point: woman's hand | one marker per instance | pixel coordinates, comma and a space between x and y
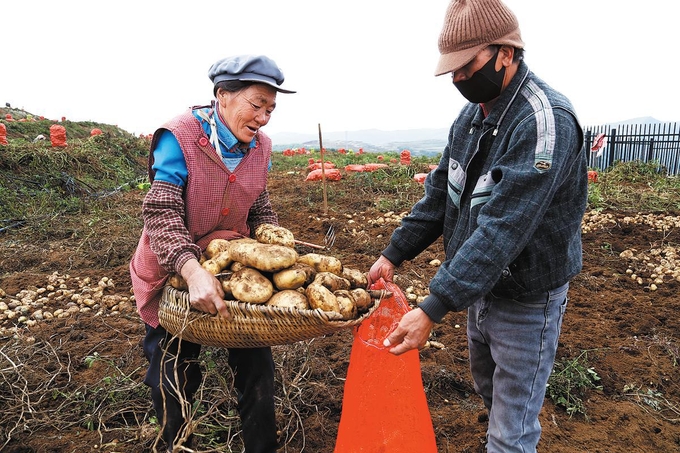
205, 291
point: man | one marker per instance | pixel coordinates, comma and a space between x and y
507, 197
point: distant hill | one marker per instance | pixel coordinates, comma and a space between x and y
427, 142
640, 120
28, 126
418, 141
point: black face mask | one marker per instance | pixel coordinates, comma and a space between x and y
485, 84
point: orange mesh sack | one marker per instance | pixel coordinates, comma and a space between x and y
405, 157
384, 408
3, 134
331, 174
58, 136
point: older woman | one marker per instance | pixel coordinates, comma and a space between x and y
208, 170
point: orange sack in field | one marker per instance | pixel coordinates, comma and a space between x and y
58, 136
355, 167
332, 174
384, 408
317, 165
405, 157
374, 167
420, 178
3, 134
95, 131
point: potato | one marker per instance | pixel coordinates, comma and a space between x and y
274, 234
321, 297
242, 240
211, 266
346, 305
309, 271
332, 281
290, 278
236, 266
225, 281
249, 285
356, 278
264, 257
215, 247
322, 263
289, 298
223, 259
362, 299
177, 282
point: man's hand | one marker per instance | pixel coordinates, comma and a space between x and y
205, 291
412, 332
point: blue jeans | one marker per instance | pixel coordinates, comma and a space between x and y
512, 345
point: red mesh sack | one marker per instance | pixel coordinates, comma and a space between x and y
332, 174
317, 165
354, 167
95, 131
3, 134
374, 167
405, 157
58, 136
420, 178
384, 407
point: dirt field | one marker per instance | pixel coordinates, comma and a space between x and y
628, 331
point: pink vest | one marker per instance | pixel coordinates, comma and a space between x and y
217, 202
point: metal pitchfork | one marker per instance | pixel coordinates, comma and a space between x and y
328, 240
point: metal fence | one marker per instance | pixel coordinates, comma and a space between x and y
657, 142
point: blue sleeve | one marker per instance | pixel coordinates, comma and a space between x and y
168, 160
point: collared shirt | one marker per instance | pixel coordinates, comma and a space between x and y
169, 163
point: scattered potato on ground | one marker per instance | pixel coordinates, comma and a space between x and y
289, 298
268, 233
249, 285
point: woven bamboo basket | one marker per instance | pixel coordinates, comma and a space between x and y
251, 326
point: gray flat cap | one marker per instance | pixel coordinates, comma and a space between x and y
248, 68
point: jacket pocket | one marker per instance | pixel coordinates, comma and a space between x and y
456, 181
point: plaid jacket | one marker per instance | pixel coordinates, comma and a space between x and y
179, 222
511, 227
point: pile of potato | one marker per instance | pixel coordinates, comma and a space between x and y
268, 270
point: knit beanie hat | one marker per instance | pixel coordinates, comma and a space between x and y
472, 25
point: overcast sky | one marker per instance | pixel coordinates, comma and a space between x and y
356, 64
